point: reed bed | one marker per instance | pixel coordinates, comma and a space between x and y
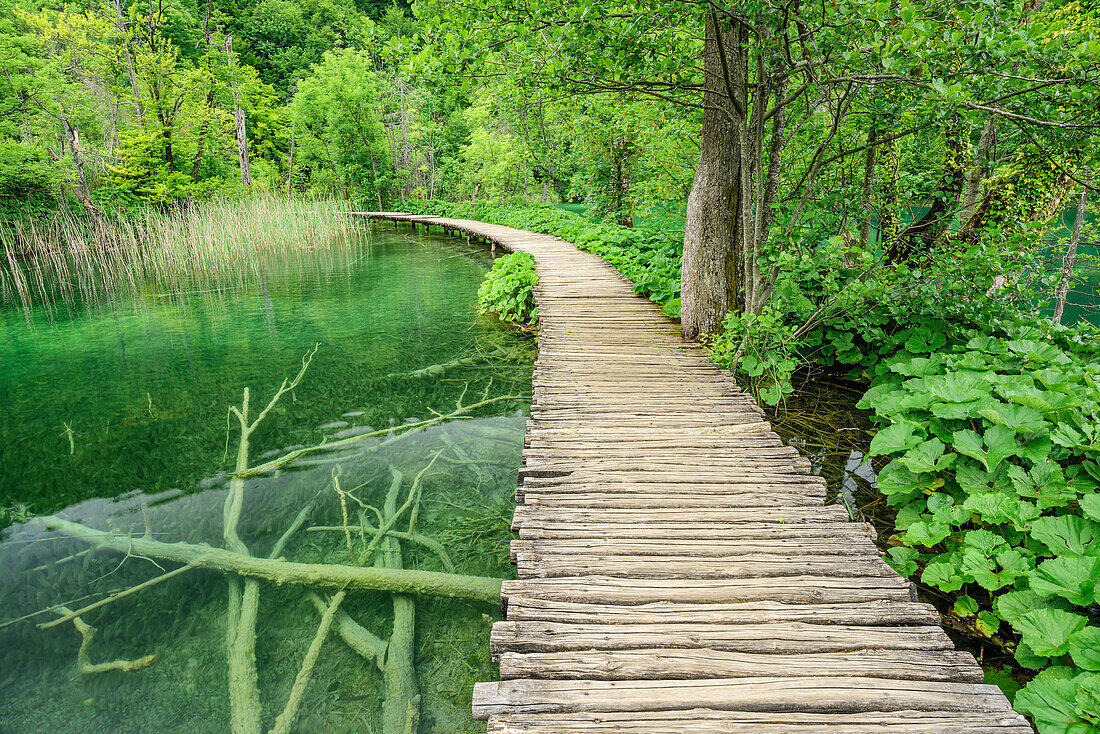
212, 245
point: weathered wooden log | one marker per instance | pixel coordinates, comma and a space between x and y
398, 581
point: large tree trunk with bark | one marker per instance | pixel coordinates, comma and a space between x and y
708, 286
979, 169
1071, 255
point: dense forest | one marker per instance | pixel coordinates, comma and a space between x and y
899, 193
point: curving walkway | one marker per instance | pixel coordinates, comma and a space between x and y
678, 570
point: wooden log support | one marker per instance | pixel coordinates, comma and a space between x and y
679, 570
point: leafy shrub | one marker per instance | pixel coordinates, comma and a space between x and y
507, 290
994, 471
763, 351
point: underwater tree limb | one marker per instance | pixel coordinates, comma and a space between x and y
397, 581
84, 663
401, 694
294, 701
428, 542
405, 430
356, 636
115, 597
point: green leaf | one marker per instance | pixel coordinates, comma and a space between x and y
965, 606
927, 457
954, 387
1067, 534
1084, 648
1090, 505
942, 575
1047, 631
1017, 417
903, 560
1071, 577
1049, 699
1000, 442
1015, 604
987, 623
896, 438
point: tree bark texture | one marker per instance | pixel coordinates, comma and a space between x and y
238, 115
1070, 256
708, 281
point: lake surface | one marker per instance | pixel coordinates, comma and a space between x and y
116, 415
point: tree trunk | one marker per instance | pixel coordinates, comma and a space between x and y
977, 172
404, 142
205, 125
238, 114
708, 286
923, 233
374, 173
290, 168
1071, 255
128, 62
72, 142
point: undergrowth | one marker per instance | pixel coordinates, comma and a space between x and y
508, 289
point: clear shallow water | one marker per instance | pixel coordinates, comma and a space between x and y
115, 416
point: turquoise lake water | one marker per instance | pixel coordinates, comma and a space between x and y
116, 416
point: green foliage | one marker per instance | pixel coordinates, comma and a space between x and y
994, 449
337, 118
508, 289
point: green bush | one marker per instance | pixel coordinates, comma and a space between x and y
994, 447
508, 289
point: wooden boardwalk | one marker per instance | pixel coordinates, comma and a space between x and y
678, 570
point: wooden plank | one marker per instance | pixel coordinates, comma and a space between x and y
777, 637
838, 695
697, 548
663, 664
786, 589
709, 721
689, 568
878, 612
702, 530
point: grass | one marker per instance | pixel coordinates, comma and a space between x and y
204, 245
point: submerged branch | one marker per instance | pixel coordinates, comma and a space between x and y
405, 430
397, 581
84, 663
305, 673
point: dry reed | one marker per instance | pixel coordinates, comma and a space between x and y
210, 245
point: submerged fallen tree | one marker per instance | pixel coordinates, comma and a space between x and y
379, 568
280, 571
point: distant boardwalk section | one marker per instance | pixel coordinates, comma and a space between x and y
678, 569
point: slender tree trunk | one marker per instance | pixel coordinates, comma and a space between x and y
404, 141
374, 173
708, 289
209, 102
978, 170
868, 188
72, 142
128, 62
1071, 255
290, 168
238, 114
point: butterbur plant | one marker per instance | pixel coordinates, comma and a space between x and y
508, 289
994, 469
